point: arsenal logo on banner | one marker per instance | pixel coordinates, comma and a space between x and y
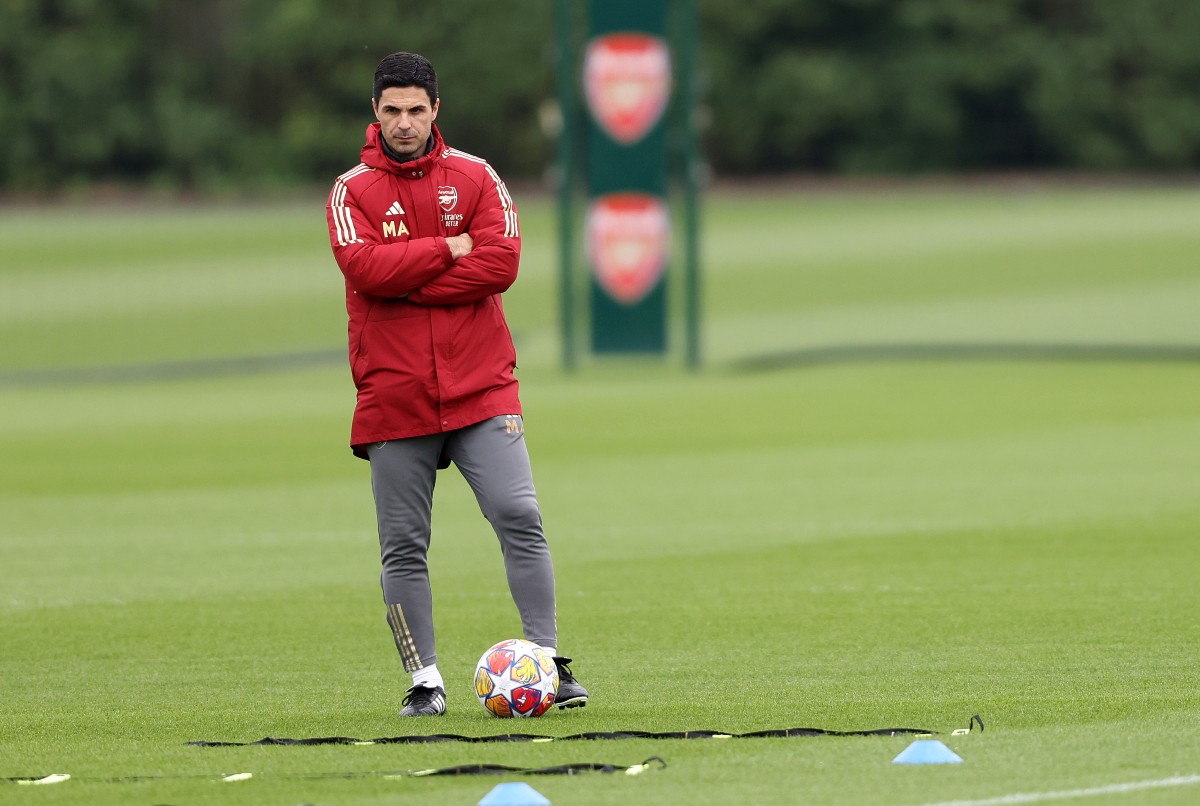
627, 237
627, 82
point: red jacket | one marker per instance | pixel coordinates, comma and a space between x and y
430, 349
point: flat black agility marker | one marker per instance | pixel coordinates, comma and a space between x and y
653, 762
591, 736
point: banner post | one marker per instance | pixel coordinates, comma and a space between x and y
635, 109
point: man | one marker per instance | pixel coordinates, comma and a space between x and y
428, 239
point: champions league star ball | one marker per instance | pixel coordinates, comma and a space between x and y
516, 678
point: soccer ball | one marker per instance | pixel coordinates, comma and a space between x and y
516, 678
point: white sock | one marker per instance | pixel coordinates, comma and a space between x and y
429, 677
553, 650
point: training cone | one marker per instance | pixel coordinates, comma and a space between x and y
517, 793
927, 751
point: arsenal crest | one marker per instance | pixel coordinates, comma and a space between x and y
447, 197
627, 83
627, 237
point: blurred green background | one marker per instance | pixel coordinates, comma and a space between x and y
235, 95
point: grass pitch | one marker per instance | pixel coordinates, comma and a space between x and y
901, 537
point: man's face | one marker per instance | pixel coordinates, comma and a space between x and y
406, 115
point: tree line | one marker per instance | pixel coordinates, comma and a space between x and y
214, 94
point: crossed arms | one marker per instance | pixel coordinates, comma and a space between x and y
455, 270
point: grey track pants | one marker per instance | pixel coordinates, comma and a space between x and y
492, 457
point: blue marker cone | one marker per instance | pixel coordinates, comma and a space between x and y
927, 751
517, 793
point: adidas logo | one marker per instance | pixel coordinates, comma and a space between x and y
395, 209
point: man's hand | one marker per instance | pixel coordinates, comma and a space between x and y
460, 245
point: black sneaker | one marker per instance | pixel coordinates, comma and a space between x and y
570, 693
424, 701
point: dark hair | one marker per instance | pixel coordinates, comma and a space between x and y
405, 70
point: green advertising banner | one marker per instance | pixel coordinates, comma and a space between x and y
627, 86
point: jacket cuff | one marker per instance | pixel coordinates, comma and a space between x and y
447, 255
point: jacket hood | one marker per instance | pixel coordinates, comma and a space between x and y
372, 153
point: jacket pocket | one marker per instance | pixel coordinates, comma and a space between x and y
385, 309
500, 323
